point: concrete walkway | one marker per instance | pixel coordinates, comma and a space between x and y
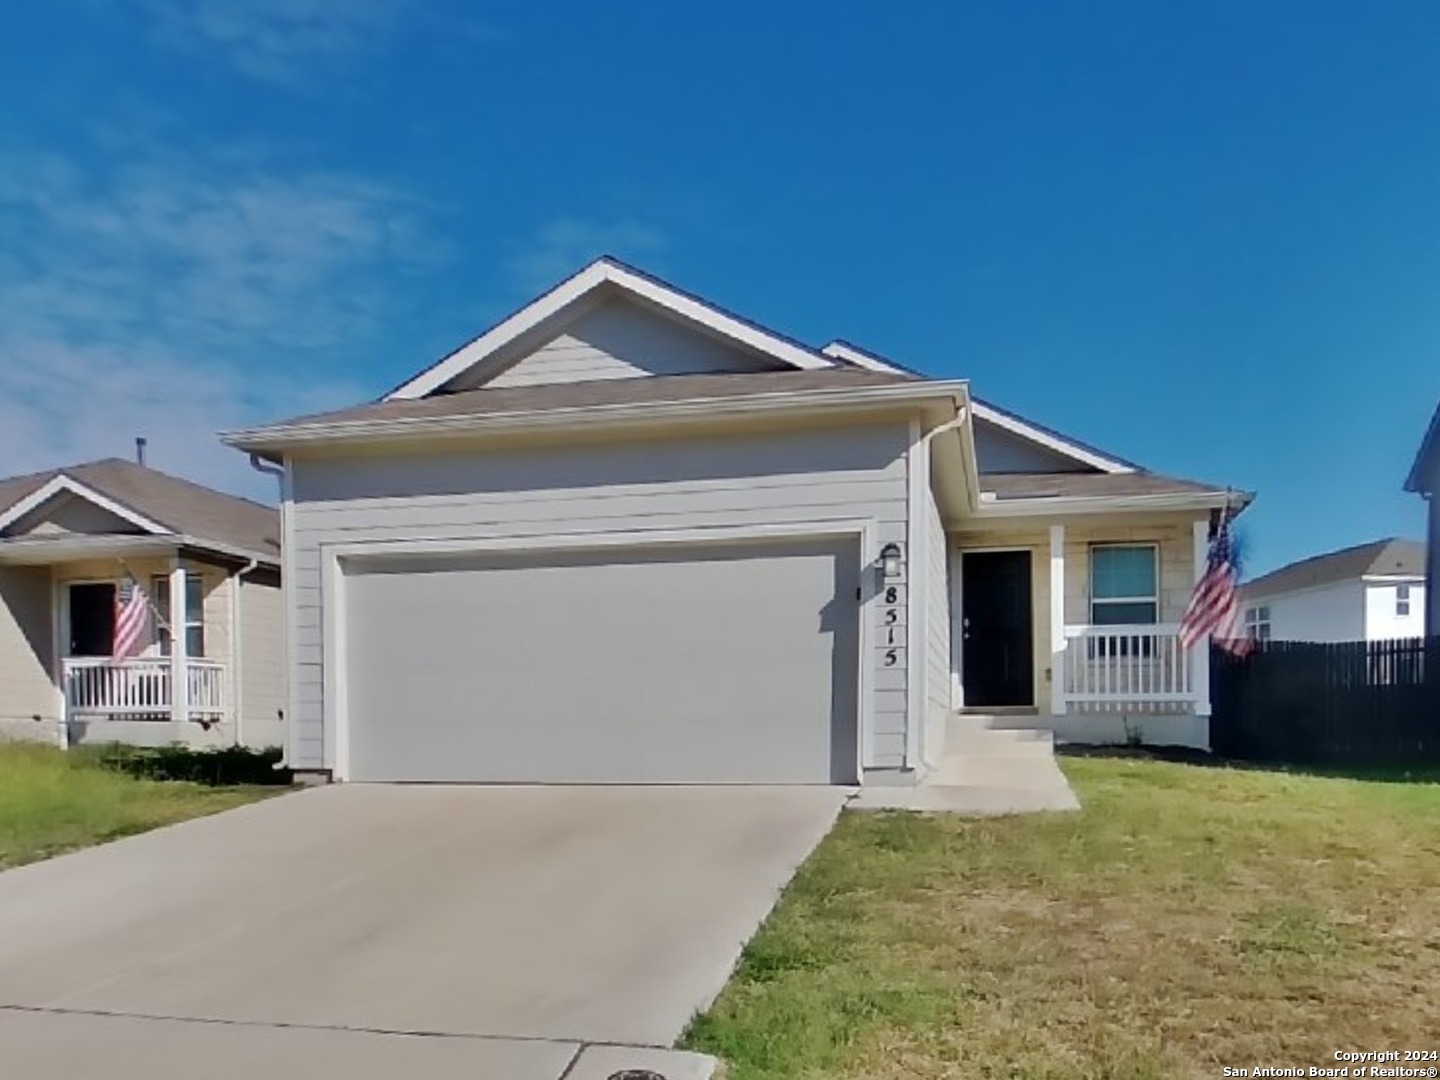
984, 771
381, 931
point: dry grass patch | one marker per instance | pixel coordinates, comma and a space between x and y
1189, 918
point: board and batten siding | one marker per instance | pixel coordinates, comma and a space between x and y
937, 631
619, 340
714, 481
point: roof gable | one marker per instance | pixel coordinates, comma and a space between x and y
145, 500
49, 503
545, 318
618, 338
1062, 445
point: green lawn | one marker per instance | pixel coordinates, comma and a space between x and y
51, 802
1187, 919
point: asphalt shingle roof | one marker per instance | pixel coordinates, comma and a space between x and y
1390, 556
182, 506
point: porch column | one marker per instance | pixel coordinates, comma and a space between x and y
1200, 655
179, 643
1057, 620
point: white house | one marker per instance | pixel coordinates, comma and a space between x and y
1371, 592
72, 541
1424, 480
626, 535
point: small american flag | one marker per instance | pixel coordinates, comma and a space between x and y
132, 620
1215, 605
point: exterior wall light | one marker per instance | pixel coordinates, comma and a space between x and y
890, 559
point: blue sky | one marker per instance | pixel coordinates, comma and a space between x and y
1204, 237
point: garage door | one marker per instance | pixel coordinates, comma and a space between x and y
713, 664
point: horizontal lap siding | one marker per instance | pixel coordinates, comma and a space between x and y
710, 482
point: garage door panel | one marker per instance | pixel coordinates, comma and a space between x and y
716, 664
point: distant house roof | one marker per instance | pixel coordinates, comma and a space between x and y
177, 506
1391, 557
1423, 471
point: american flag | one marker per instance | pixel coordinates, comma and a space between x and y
1215, 605
132, 620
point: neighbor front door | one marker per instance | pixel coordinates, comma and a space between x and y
92, 619
997, 655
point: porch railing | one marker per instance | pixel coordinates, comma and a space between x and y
141, 689
1107, 666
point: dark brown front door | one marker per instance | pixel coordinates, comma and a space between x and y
997, 655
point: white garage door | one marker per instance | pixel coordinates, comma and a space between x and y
707, 664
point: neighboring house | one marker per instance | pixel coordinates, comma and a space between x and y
1424, 480
625, 535
1371, 592
72, 541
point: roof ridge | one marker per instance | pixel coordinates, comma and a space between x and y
186, 481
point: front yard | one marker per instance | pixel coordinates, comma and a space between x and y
1187, 919
51, 802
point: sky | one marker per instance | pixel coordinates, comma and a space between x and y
1204, 237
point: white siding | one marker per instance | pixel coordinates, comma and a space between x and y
858, 472
1331, 613
27, 691
937, 631
262, 661
620, 340
1001, 451
1382, 622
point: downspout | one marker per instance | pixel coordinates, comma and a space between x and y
269, 468
917, 616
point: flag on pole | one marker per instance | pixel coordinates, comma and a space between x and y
1214, 609
132, 620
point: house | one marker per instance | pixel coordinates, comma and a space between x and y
73, 542
1424, 480
1371, 592
626, 535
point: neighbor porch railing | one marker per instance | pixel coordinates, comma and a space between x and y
141, 689
1112, 666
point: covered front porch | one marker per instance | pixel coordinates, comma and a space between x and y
173, 684
1073, 626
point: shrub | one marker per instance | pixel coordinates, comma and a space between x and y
216, 766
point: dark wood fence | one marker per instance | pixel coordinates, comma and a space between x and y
1351, 703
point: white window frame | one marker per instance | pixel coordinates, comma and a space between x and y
1154, 598
194, 613
1257, 622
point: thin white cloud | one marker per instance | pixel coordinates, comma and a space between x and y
174, 297
292, 42
563, 245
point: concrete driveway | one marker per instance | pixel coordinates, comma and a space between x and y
357, 931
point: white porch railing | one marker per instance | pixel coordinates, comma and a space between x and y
1109, 666
132, 689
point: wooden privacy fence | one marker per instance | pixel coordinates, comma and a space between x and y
1348, 703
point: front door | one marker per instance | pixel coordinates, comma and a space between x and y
997, 630
92, 619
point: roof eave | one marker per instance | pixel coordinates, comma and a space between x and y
93, 545
1070, 505
280, 437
